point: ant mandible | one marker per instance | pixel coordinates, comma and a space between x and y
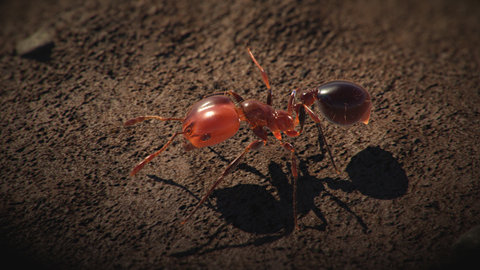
216, 118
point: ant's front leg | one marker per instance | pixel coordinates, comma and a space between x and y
152, 156
252, 146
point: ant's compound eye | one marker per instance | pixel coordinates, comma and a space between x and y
344, 103
188, 130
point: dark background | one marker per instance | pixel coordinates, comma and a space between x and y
408, 186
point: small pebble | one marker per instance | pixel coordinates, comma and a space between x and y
37, 42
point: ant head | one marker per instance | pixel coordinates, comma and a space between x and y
210, 121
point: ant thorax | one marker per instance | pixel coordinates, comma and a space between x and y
261, 114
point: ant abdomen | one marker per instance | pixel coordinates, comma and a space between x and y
344, 103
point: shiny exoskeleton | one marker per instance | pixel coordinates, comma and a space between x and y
216, 118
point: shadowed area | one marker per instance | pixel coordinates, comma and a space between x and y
253, 209
376, 173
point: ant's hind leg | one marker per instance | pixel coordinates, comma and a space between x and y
321, 137
252, 146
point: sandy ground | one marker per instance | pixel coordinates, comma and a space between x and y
409, 181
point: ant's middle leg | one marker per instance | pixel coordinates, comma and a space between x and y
299, 116
294, 170
252, 146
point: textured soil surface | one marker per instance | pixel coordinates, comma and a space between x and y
409, 180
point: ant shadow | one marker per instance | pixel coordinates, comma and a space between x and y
373, 172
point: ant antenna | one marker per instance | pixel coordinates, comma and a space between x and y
264, 77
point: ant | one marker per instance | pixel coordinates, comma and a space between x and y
216, 118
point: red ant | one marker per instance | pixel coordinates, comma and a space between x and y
216, 118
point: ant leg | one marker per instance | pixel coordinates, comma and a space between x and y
322, 137
148, 117
291, 101
252, 146
290, 148
300, 118
317, 122
152, 156
264, 77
